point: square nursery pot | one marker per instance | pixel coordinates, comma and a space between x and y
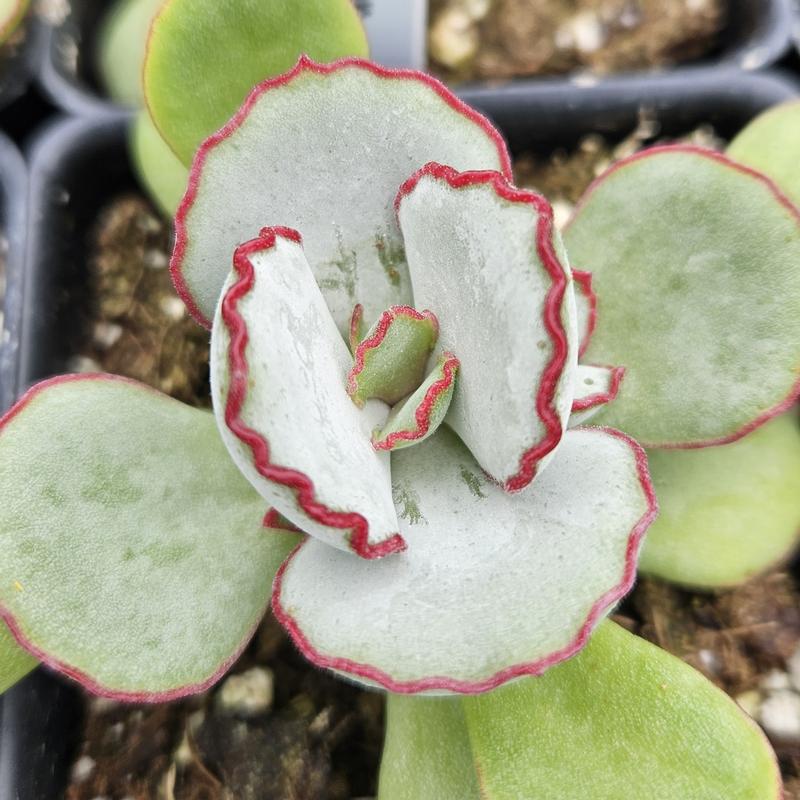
68, 70
77, 166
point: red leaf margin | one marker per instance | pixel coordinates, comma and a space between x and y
304, 64
601, 398
794, 392
545, 228
422, 416
537, 667
293, 479
68, 670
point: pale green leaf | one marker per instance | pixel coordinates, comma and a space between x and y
771, 144
204, 58
134, 555
694, 262
623, 719
15, 663
729, 512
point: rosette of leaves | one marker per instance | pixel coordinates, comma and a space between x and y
457, 532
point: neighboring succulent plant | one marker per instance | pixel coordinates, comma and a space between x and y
12, 12
199, 61
438, 558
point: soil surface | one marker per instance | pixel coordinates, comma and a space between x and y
485, 39
275, 728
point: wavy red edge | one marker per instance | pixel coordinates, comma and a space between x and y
300, 483
601, 398
545, 396
424, 412
382, 328
583, 280
68, 670
304, 64
794, 392
537, 667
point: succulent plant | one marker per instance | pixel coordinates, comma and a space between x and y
12, 12
457, 532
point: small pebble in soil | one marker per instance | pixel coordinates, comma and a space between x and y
82, 769
248, 694
780, 715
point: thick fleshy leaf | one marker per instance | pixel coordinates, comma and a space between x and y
492, 586
586, 307
278, 374
11, 14
121, 45
390, 362
134, 557
15, 663
203, 58
621, 719
163, 176
323, 149
487, 260
771, 144
727, 513
694, 261
420, 416
594, 387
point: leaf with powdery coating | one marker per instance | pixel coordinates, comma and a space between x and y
322, 149
594, 387
621, 719
492, 585
694, 262
419, 416
137, 564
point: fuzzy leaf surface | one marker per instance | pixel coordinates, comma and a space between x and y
727, 513
204, 58
134, 555
621, 719
492, 585
323, 149
278, 377
694, 262
487, 260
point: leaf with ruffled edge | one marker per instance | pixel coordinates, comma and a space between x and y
12, 12
727, 513
15, 663
771, 144
323, 149
594, 387
278, 374
621, 719
134, 557
486, 258
390, 361
204, 58
586, 307
420, 415
492, 586
694, 262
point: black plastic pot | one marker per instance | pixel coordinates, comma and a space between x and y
756, 36
78, 165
